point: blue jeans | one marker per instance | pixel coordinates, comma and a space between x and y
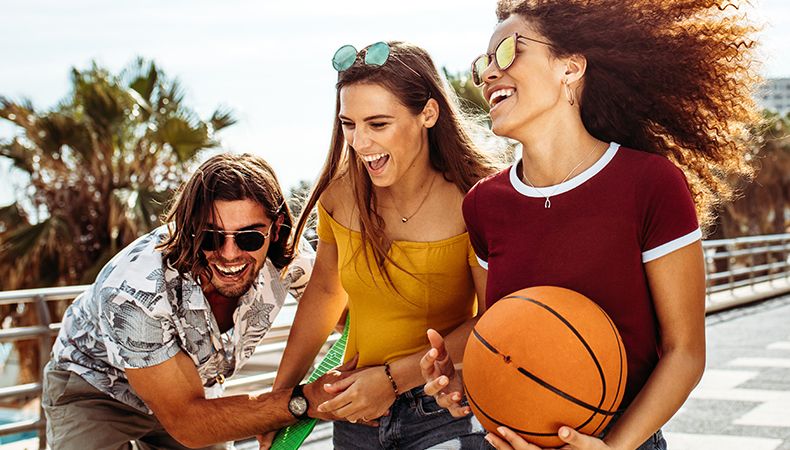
415, 422
654, 442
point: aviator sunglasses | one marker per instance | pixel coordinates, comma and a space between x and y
375, 55
247, 240
503, 56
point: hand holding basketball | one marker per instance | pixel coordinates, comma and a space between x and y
442, 382
574, 441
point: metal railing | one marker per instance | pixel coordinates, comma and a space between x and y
739, 271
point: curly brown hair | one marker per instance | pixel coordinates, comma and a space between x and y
672, 77
223, 177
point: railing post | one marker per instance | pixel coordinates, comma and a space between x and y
44, 319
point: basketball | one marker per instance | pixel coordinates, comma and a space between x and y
541, 358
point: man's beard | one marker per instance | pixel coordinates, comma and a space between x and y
235, 289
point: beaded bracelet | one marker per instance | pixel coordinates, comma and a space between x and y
392, 380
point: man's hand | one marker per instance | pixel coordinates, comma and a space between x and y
442, 382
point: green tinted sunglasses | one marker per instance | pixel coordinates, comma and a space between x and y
503, 56
375, 55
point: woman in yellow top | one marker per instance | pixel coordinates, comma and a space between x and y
393, 247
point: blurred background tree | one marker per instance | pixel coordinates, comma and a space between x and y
764, 204
100, 166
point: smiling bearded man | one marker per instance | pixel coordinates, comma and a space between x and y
143, 352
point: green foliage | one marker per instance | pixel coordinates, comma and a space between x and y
101, 164
297, 197
470, 96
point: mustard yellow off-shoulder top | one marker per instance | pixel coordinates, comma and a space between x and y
386, 325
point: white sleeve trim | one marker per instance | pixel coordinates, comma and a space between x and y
671, 246
483, 264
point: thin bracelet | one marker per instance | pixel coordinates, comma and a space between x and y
392, 380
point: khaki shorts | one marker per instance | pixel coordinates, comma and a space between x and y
81, 417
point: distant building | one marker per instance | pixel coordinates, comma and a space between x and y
775, 95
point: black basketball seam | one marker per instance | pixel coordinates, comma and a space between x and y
583, 342
517, 430
620, 351
544, 384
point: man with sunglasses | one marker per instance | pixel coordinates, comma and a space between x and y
143, 352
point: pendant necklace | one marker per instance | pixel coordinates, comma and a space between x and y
406, 218
547, 204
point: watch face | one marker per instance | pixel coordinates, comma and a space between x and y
297, 405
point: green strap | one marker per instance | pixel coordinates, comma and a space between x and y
291, 437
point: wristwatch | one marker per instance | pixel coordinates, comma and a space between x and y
298, 405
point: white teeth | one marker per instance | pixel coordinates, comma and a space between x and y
500, 94
230, 270
371, 158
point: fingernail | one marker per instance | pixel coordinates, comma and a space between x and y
456, 397
433, 352
502, 430
490, 441
564, 432
443, 381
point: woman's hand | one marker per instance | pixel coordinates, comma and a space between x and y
573, 439
442, 382
363, 396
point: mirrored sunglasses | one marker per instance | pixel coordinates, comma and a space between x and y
503, 56
247, 240
375, 55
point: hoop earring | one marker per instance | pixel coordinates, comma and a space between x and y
569, 93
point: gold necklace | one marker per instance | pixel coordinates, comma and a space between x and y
406, 218
547, 204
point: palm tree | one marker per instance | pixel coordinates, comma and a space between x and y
101, 165
764, 204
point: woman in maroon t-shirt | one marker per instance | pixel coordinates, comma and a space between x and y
604, 96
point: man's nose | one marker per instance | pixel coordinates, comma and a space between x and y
229, 249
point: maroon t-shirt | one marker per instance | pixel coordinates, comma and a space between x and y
603, 225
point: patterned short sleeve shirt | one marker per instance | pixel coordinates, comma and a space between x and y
140, 312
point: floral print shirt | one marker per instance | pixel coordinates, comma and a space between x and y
140, 312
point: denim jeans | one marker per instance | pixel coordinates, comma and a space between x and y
654, 442
415, 422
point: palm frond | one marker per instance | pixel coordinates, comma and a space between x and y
185, 139
20, 155
11, 218
19, 113
222, 118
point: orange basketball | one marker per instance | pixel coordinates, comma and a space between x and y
541, 358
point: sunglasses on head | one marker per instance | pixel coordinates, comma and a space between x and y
375, 55
247, 240
503, 56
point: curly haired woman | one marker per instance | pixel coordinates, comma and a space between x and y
632, 114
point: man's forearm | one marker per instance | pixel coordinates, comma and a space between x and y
209, 421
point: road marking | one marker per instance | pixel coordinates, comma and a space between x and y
684, 441
761, 362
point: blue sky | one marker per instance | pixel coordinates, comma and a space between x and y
269, 61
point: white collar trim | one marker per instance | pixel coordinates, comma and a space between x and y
561, 188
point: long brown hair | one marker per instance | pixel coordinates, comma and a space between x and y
224, 177
673, 77
411, 76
